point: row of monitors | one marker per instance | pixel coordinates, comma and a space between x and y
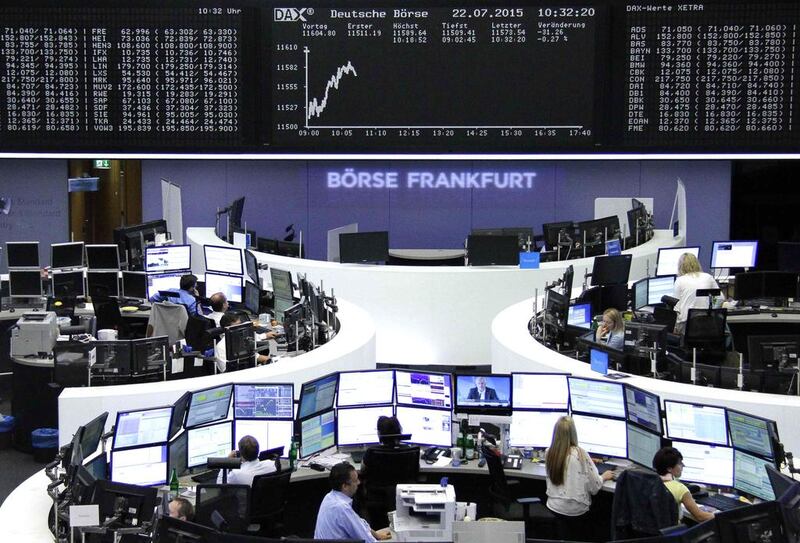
25, 254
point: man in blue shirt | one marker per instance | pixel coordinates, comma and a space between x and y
187, 294
336, 518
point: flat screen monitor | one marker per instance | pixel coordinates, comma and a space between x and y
750, 475
596, 232
98, 467
750, 433
251, 267
533, 428
706, 463
68, 284
163, 281
66, 255
92, 432
557, 308
642, 445
102, 283
22, 254
779, 481
223, 259
552, 231
281, 284
580, 315
596, 397
644, 408
780, 284
263, 401
317, 433
658, 287
209, 405
240, 342
318, 395
611, 270
601, 435
667, 263
235, 212
167, 258
364, 247
493, 250
270, 434
540, 391
789, 256
142, 427
424, 389
693, 422
206, 442
291, 249
134, 285
179, 409
734, 254
230, 285
598, 361
358, 425
772, 352
241, 239
112, 358
102, 257
143, 466
640, 294
149, 354
761, 522
266, 245
483, 392
141, 501
426, 426
252, 297
365, 388
24, 284
178, 451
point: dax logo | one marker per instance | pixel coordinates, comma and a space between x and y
292, 15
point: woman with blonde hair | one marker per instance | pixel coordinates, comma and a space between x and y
612, 330
691, 278
572, 480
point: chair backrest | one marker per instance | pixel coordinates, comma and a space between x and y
642, 504
705, 328
196, 335
106, 310
665, 316
168, 319
269, 494
497, 474
388, 467
225, 507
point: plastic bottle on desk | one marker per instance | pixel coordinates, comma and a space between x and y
174, 486
292, 455
470, 446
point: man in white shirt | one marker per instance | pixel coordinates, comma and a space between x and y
220, 349
251, 466
219, 305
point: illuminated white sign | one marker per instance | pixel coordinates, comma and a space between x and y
363, 179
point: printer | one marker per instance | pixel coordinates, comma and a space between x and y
34, 333
424, 512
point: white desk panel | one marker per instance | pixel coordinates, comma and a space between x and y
23, 516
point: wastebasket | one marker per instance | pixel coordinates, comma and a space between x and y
45, 444
6, 431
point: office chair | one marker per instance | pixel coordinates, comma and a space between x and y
106, 311
383, 468
642, 505
508, 498
705, 329
267, 503
752, 380
168, 319
224, 507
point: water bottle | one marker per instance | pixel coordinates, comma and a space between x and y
174, 486
470, 447
292, 455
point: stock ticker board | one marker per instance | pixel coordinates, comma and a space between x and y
399, 77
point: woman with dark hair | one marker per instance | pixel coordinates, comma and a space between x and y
668, 463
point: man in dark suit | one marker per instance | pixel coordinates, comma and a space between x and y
480, 392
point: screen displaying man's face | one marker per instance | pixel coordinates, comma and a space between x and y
480, 382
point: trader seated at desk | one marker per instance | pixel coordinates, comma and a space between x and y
181, 509
219, 306
611, 330
336, 518
220, 359
668, 463
187, 294
251, 465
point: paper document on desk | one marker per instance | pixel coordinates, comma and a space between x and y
442, 461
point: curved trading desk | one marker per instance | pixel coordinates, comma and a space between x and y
353, 348
513, 349
434, 314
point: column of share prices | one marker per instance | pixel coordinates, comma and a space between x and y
472, 77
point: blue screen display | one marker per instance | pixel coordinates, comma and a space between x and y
483, 390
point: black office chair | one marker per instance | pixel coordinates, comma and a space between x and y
642, 505
705, 330
752, 380
383, 468
224, 507
268, 503
509, 501
707, 375
106, 311
198, 338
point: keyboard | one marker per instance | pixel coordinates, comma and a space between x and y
721, 502
603, 467
205, 476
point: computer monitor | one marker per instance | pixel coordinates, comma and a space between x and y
142, 466
66, 255
209, 405
640, 297
594, 233
213, 441
667, 263
734, 254
291, 249
112, 358
173, 530
426, 426
779, 481
223, 259
641, 336
695, 422
540, 391
133, 239
365, 388
281, 284
178, 452
139, 500
480, 393
102, 283
149, 354
179, 409
134, 285
750, 433
251, 267
706, 463
556, 307
363, 247
595, 397
167, 258
789, 256
772, 352
252, 298
424, 389
642, 445
235, 211
263, 401
553, 230
163, 281
317, 396
533, 428
243, 239
102, 257
267, 245
317, 433
270, 434
22, 254
658, 287
602, 435
493, 250
98, 467
750, 475
230, 285
598, 361
92, 432
611, 270
24, 284
758, 522
580, 315
67, 284
644, 408
240, 342
142, 427
779, 284
358, 425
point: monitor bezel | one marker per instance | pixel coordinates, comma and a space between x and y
207, 423
660, 430
25, 270
770, 424
64, 244
714, 245
236, 392
115, 447
550, 373
38, 260
424, 443
108, 246
472, 409
695, 404
163, 444
300, 416
170, 270
624, 416
106, 273
355, 408
682, 249
220, 423
390, 401
226, 248
299, 432
444, 374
